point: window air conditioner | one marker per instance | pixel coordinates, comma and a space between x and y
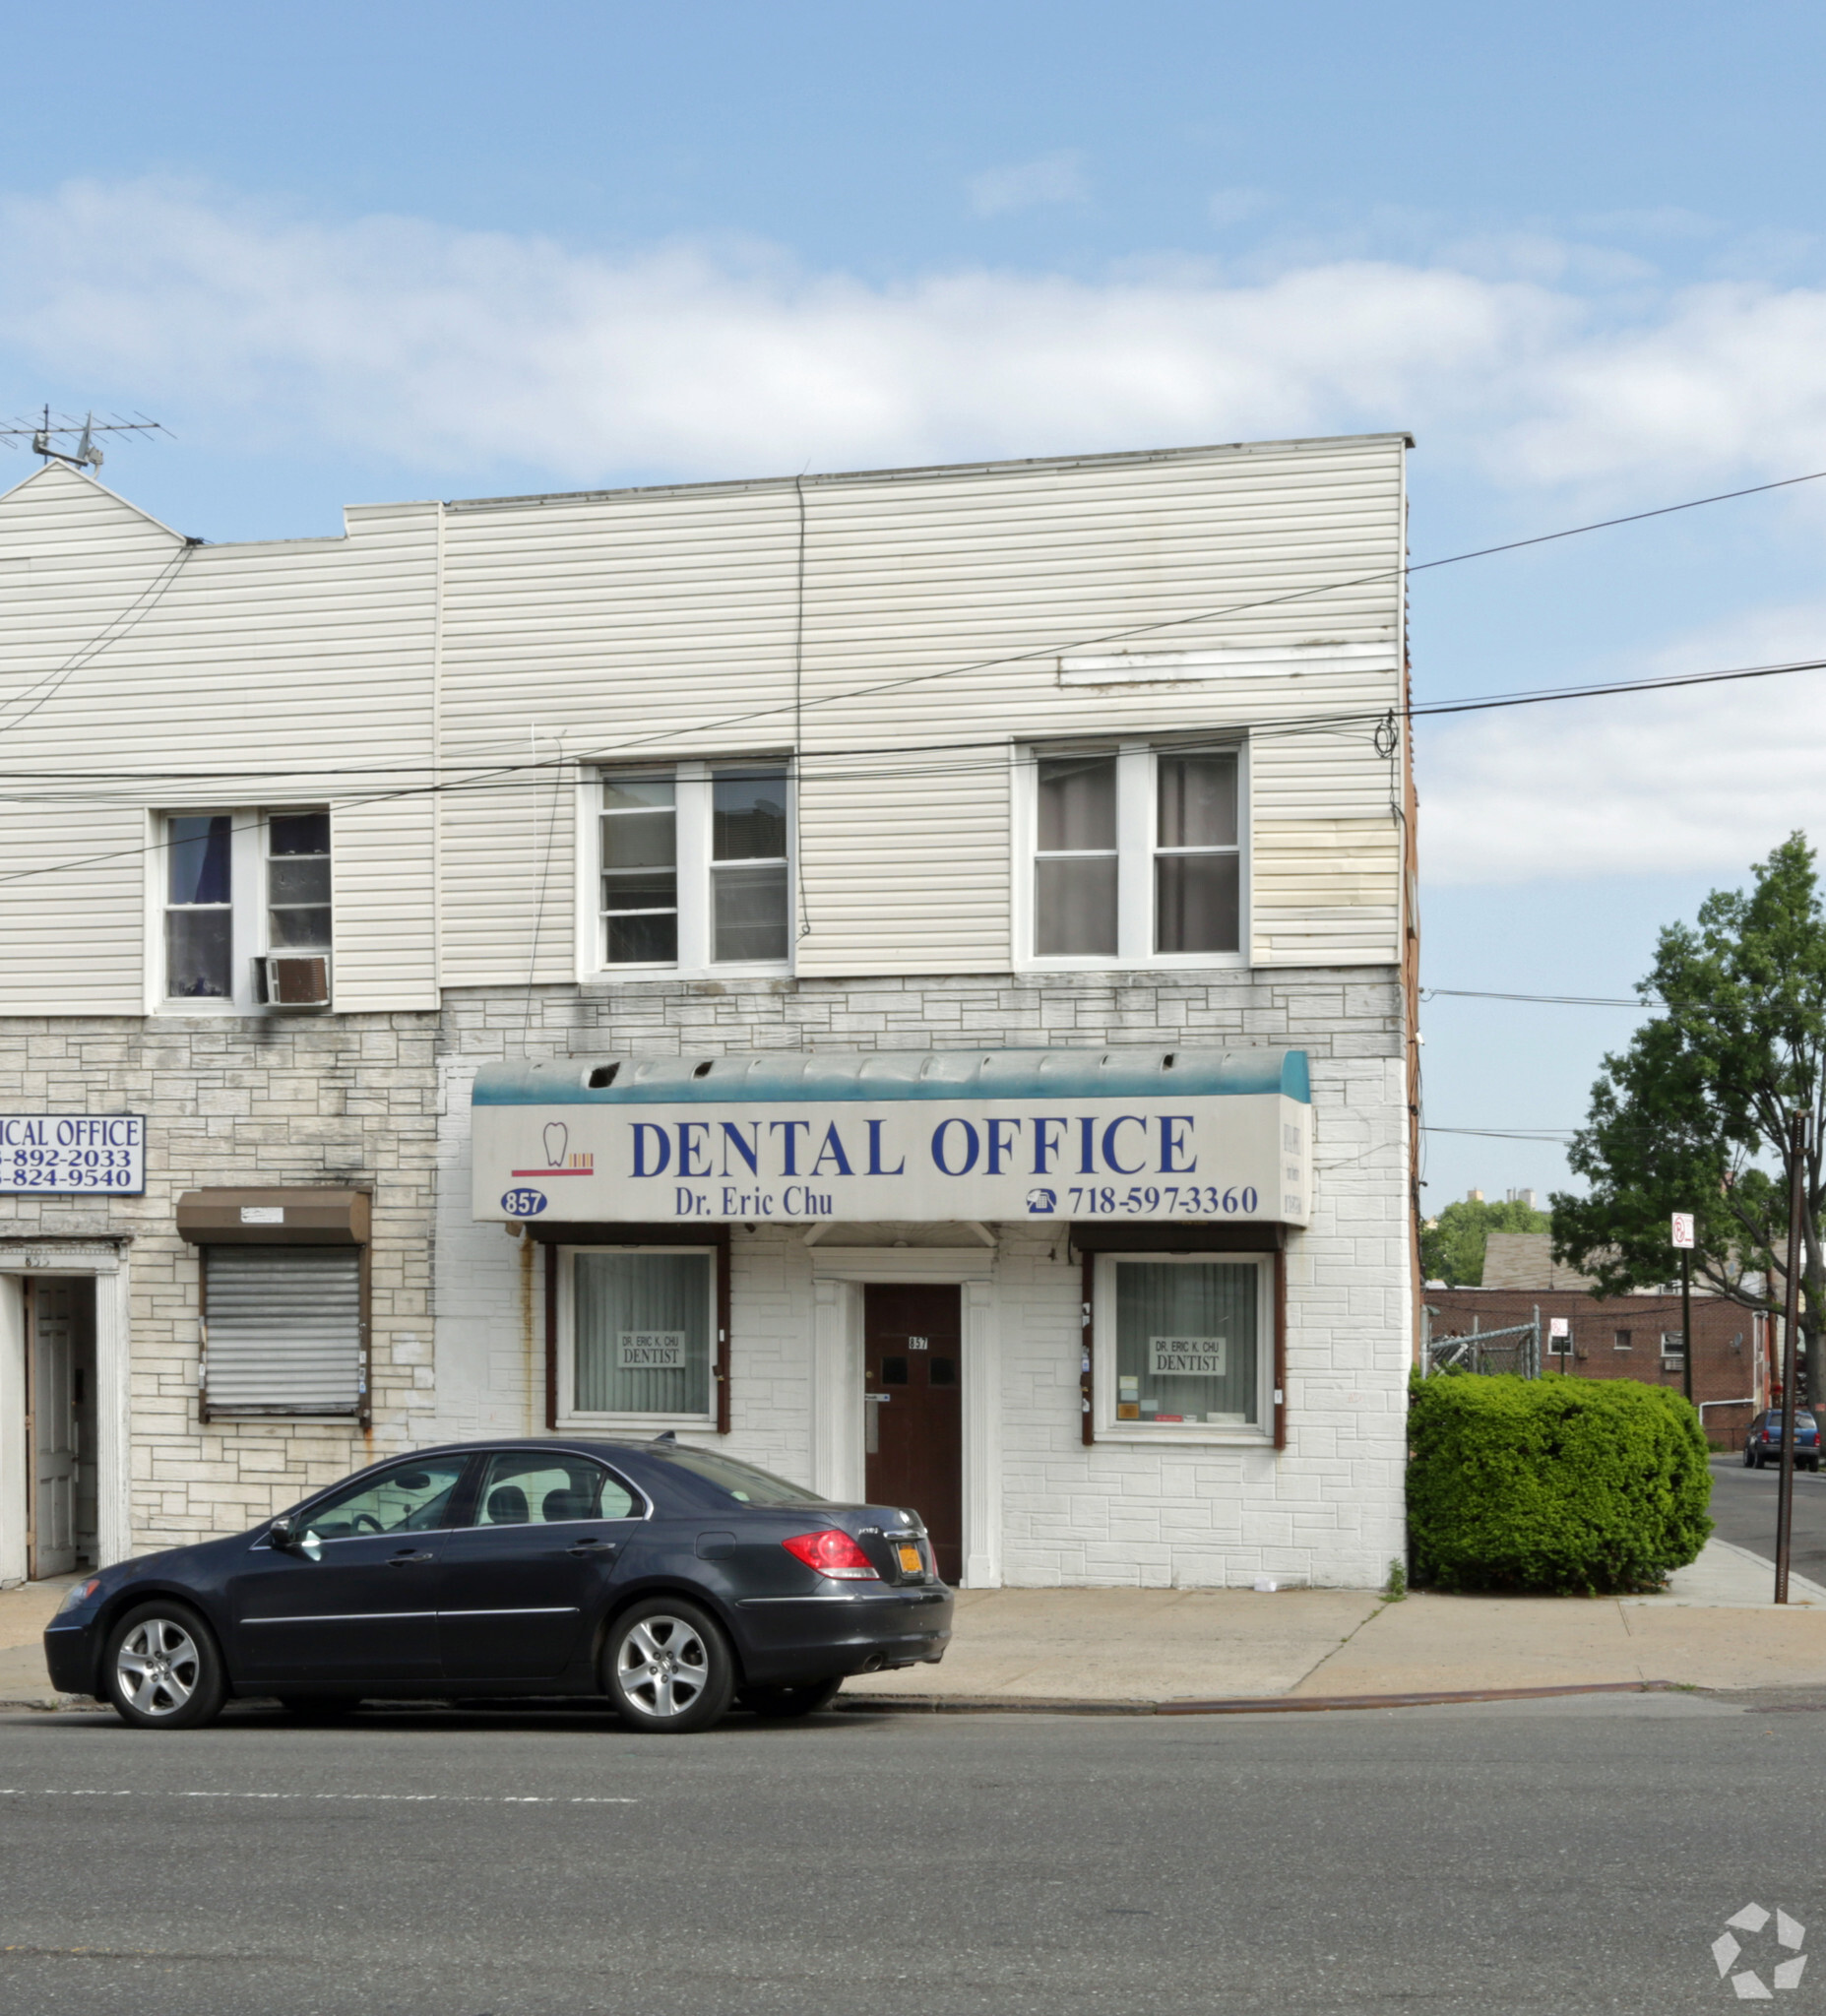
292, 980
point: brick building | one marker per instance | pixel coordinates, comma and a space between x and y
1634, 1336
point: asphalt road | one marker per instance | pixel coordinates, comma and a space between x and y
1566, 1856
1743, 1513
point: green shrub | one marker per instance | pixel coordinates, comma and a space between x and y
1558, 1483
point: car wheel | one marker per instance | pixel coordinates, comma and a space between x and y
1749, 1458
782, 1704
1761, 1460
669, 1669
319, 1705
161, 1668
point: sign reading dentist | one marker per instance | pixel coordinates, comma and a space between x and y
921, 1135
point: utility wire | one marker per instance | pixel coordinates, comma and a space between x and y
505, 776
508, 776
1508, 1133
797, 704
1310, 723
1551, 1000
129, 619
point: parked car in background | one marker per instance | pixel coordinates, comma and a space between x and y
672, 1580
1763, 1441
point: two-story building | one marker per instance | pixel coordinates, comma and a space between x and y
904, 976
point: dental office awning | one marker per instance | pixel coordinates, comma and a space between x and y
799, 1137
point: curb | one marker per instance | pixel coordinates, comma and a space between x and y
1245, 1704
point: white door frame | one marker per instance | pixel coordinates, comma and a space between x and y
105, 1263
838, 1276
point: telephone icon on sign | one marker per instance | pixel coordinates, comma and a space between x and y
1042, 1202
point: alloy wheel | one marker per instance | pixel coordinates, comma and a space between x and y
663, 1665
157, 1666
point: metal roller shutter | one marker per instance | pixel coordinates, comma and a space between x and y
285, 1330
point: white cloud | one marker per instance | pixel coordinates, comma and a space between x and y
472, 350
1055, 178
455, 349
501, 358
1702, 781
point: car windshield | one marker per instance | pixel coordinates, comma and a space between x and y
741, 1480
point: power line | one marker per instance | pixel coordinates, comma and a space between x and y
1339, 722
509, 776
1508, 1133
1332, 723
797, 704
1552, 1000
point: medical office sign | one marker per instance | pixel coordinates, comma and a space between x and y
71, 1155
1184, 1156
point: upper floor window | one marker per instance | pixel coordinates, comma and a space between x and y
695, 867
1137, 856
247, 909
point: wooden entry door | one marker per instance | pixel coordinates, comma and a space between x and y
913, 1339
53, 1372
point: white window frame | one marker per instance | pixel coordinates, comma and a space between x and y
1108, 1428
572, 1420
693, 803
1673, 1350
1137, 835
249, 934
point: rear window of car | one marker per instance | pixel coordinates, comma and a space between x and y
741, 1481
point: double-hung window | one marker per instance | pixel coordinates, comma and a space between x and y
695, 867
1137, 857
239, 890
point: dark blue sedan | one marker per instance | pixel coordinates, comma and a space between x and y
673, 1581
1763, 1443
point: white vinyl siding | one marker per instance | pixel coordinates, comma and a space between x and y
284, 1330
948, 616
658, 625
143, 654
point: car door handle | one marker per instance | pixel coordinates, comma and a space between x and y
399, 1561
603, 1550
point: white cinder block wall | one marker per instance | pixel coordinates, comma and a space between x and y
1326, 1511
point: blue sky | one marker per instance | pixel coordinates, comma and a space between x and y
359, 252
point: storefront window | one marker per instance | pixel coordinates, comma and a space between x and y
642, 1328
1187, 1342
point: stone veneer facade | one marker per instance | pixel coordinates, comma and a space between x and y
1325, 1510
380, 1102
349, 1099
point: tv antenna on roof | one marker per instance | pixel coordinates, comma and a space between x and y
86, 453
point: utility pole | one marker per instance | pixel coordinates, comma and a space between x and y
1784, 1482
1683, 1240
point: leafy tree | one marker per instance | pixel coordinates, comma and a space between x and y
1452, 1245
1693, 1115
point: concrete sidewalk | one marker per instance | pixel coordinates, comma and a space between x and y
1715, 1627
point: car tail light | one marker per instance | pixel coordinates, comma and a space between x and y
833, 1554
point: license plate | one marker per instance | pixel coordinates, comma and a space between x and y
911, 1563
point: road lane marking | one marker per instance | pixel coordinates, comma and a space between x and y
409, 1799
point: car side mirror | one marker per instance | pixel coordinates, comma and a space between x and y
284, 1535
